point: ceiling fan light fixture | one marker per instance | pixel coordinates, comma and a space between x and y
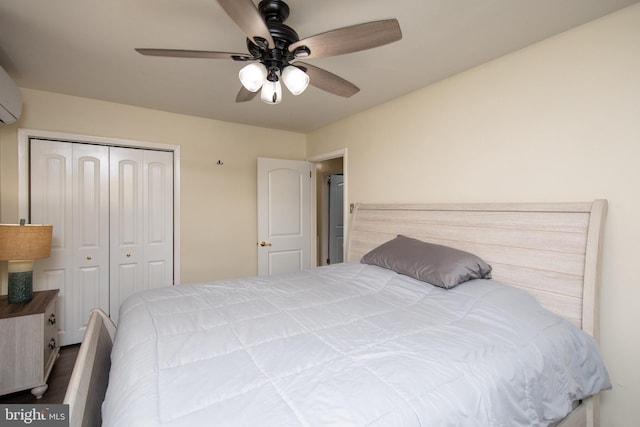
295, 79
273, 46
271, 92
253, 76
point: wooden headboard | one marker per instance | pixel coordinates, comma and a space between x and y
550, 249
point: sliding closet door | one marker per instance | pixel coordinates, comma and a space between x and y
141, 218
70, 189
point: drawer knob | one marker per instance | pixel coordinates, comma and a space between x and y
52, 319
52, 343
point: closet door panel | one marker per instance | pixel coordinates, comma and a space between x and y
126, 225
90, 232
158, 217
69, 189
51, 183
141, 222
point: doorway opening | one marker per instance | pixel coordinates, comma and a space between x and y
330, 211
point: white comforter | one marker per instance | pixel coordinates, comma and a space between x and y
345, 345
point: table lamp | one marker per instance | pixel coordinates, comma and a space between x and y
20, 244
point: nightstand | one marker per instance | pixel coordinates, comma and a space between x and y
28, 343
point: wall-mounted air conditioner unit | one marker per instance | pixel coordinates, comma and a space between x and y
10, 99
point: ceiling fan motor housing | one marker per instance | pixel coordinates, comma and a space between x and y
274, 10
275, 58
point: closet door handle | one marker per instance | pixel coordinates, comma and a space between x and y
263, 243
128, 255
88, 257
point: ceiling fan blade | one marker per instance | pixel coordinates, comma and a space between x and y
351, 39
246, 16
245, 95
181, 53
323, 79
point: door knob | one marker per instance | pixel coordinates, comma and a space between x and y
263, 243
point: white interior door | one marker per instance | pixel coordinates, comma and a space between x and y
70, 190
284, 220
141, 222
336, 218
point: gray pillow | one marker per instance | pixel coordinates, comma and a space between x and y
436, 264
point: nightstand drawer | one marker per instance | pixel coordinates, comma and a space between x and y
50, 335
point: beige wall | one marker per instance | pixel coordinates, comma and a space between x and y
218, 205
558, 121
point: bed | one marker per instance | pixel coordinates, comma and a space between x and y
361, 344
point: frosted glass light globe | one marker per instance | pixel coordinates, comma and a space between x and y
253, 76
271, 92
295, 79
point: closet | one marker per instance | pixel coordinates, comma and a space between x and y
112, 213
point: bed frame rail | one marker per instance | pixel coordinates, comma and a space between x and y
90, 376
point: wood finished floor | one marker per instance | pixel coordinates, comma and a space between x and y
58, 381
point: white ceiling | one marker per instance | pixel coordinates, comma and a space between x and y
86, 48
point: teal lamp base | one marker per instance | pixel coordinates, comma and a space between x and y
20, 282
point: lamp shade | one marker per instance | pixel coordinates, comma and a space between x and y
23, 242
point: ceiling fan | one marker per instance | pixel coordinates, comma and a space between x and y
275, 50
